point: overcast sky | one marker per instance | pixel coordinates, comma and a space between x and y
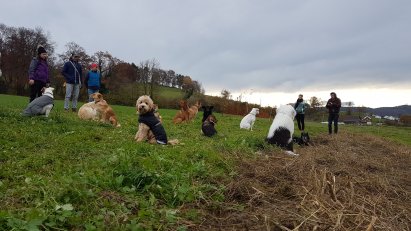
267, 50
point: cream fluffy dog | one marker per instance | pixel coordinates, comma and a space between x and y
282, 129
150, 127
248, 121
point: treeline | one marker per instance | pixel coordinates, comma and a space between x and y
18, 46
122, 82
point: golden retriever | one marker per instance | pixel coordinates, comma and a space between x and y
183, 114
98, 110
193, 110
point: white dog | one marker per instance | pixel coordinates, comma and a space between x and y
41, 105
282, 129
248, 121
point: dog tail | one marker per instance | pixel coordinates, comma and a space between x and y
173, 142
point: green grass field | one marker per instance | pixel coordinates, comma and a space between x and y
62, 173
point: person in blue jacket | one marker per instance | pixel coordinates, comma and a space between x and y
300, 107
92, 81
73, 74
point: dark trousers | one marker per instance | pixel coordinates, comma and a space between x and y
333, 117
35, 89
300, 121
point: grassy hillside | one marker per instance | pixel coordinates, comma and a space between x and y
61, 173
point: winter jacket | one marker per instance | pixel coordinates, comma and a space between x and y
36, 106
39, 70
333, 105
155, 125
92, 80
72, 72
300, 107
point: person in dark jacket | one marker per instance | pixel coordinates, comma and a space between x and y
38, 73
333, 106
92, 81
300, 107
73, 74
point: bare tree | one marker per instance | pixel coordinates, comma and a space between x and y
315, 102
225, 94
18, 46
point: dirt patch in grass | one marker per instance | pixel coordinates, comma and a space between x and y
343, 182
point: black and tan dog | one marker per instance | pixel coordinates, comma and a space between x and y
304, 139
207, 110
208, 128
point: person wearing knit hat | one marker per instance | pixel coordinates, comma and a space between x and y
38, 73
92, 81
73, 74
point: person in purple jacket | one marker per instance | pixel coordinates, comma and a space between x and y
38, 73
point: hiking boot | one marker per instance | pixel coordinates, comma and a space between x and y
66, 109
74, 109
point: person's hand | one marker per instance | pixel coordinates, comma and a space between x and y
31, 82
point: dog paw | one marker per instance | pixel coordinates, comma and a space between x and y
290, 153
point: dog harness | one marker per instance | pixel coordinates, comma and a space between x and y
155, 125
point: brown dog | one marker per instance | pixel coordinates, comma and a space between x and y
98, 110
183, 114
193, 110
89, 111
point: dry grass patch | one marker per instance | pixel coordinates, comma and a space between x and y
343, 182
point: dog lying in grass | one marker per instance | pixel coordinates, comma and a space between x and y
98, 110
41, 105
150, 127
282, 129
303, 140
248, 121
208, 126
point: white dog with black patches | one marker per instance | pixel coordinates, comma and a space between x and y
282, 129
248, 121
41, 105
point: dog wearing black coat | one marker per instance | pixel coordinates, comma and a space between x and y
208, 128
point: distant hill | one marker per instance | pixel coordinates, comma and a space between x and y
384, 111
391, 111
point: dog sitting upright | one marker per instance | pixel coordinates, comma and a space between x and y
208, 126
248, 121
282, 129
207, 110
150, 127
183, 114
41, 105
193, 110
